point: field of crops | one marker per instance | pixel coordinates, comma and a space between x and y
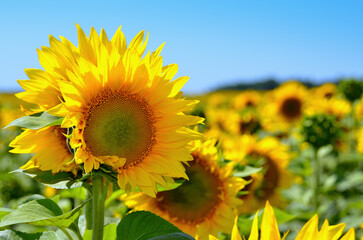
102, 144
300, 149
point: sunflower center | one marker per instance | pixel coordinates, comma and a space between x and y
291, 108
59, 134
196, 199
119, 124
271, 180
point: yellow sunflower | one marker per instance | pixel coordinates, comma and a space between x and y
284, 106
246, 122
333, 106
270, 230
269, 154
50, 147
327, 91
246, 99
360, 140
201, 206
358, 110
125, 109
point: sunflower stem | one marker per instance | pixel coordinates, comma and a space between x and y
89, 212
98, 207
316, 172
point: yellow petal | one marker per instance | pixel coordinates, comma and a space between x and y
235, 232
254, 229
350, 235
310, 229
269, 227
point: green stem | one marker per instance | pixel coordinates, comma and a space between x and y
316, 180
79, 236
89, 212
98, 207
66, 233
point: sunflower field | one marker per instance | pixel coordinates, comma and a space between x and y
102, 144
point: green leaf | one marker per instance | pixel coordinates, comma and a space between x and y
144, 225
17, 235
177, 183
32, 211
4, 212
282, 216
173, 236
247, 171
42, 212
59, 180
36, 122
114, 195
109, 233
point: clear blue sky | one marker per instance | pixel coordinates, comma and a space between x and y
212, 42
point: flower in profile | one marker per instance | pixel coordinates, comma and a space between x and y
269, 154
125, 110
203, 205
310, 231
50, 147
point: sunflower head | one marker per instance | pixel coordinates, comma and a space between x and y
197, 206
123, 106
268, 154
327, 90
290, 98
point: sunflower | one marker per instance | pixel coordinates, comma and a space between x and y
270, 230
50, 147
284, 107
125, 110
334, 106
358, 110
360, 140
246, 122
246, 99
269, 154
201, 206
327, 91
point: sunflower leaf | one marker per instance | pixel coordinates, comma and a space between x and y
61, 180
41, 212
36, 122
176, 184
246, 171
144, 225
173, 236
18, 235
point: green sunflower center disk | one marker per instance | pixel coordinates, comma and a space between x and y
120, 125
195, 199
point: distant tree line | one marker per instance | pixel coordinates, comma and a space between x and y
270, 83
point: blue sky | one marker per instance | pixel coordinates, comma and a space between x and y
214, 43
